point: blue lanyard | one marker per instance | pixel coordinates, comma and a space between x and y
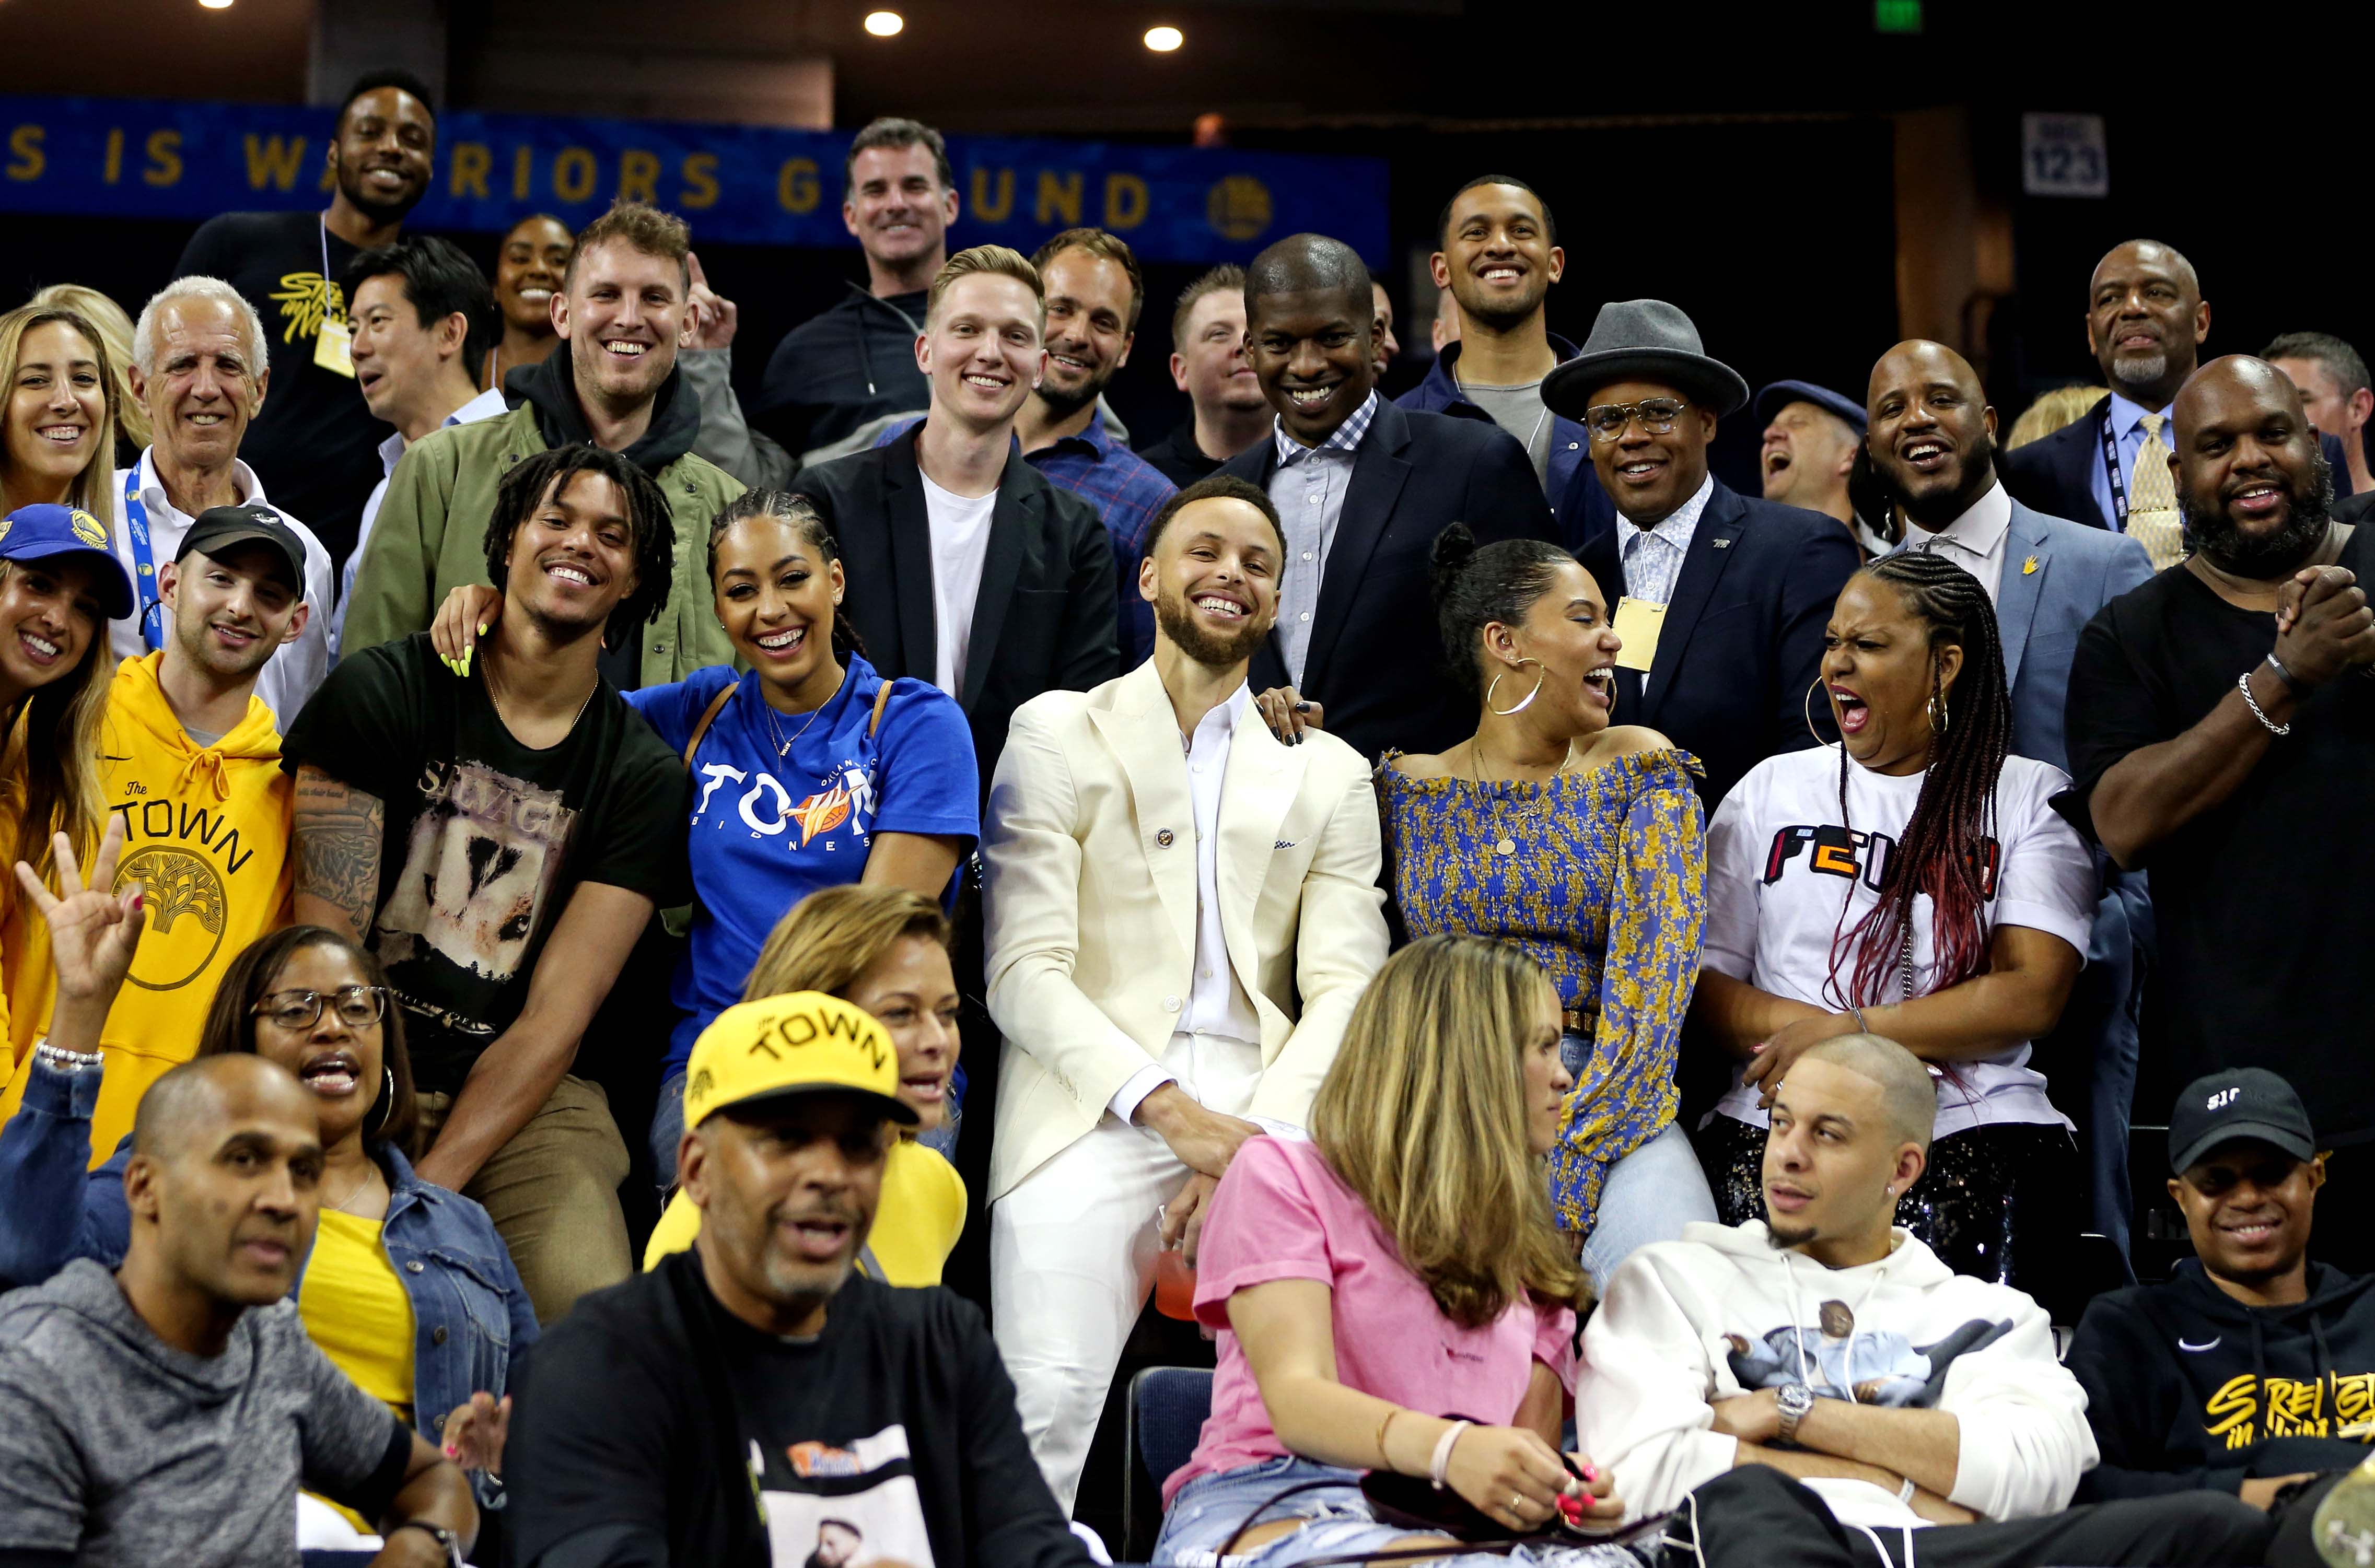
136, 528
2112, 472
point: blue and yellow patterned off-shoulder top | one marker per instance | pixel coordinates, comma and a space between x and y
1601, 876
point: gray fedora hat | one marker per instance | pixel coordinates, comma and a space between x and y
1643, 340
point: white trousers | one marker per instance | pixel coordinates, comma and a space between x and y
1071, 1258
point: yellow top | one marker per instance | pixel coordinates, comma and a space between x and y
923, 1213
207, 836
357, 1313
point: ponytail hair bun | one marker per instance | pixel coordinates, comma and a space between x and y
1454, 548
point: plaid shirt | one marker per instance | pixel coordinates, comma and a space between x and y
1126, 489
1309, 485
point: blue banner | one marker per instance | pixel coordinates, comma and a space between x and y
137, 158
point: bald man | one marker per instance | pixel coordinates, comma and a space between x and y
2145, 323
1363, 487
169, 1412
1931, 442
1799, 1383
2221, 733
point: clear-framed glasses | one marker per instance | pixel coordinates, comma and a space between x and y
1606, 421
357, 1006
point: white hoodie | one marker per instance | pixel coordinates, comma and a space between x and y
1722, 1311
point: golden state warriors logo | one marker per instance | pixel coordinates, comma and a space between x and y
1238, 207
188, 908
88, 529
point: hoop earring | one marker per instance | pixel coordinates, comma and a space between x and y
1807, 707
1522, 701
1939, 715
376, 1118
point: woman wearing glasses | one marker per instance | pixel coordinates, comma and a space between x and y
408, 1289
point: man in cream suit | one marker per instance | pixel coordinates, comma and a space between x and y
1181, 912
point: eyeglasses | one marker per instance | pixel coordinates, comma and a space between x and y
1607, 421
357, 1006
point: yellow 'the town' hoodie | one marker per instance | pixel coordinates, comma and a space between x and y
206, 835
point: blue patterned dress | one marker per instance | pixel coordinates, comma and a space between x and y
1603, 884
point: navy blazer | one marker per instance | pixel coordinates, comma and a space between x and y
1039, 622
1743, 641
1580, 507
2055, 474
1376, 662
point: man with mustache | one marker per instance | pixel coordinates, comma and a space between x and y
1181, 912
757, 1389
2145, 323
316, 439
2222, 734
190, 760
1931, 451
167, 1412
1363, 487
1496, 255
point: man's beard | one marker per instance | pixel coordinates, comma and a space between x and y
2140, 370
350, 184
1781, 1240
1178, 619
1501, 317
1934, 512
1062, 405
2266, 557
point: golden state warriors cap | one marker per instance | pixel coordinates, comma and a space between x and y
802, 1043
40, 532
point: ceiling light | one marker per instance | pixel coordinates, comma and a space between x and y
1163, 40
216, 5
884, 24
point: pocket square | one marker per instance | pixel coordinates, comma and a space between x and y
1285, 844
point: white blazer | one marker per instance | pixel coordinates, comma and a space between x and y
1090, 906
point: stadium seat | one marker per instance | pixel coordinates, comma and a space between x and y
1166, 1409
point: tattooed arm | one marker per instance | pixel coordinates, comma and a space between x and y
338, 832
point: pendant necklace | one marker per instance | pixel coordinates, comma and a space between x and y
1503, 845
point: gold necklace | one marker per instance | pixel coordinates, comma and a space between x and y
1503, 845
353, 1192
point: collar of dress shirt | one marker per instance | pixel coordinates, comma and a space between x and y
1979, 530
1680, 523
486, 406
152, 490
1226, 711
2126, 415
1345, 437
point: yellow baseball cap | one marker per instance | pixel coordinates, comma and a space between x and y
802, 1043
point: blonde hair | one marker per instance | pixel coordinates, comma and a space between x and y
114, 327
832, 936
643, 228
92, 488
2063, 406
1424, 1116
996, 260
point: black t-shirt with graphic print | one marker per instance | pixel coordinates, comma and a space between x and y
314, 445
485, 838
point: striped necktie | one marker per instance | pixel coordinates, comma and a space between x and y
2153, 520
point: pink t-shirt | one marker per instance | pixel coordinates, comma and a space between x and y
1281, 1214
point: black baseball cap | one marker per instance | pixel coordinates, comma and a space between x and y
219, 529
2240, 1102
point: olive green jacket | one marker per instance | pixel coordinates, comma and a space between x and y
431, 537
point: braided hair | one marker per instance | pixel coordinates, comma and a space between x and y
810, 523
1945, 850
523, 490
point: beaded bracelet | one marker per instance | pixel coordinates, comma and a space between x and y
66, 1061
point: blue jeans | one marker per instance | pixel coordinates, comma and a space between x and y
1211, 1511
1650, 1195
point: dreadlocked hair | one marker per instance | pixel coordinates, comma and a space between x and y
549, 472
809, 523
1943, 851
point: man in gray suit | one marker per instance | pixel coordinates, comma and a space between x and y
1930, 445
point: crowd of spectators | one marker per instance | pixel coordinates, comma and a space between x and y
1626, 998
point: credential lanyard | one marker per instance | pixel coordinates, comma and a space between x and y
144, 565
2112, 472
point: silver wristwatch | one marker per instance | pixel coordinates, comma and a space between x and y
1795, 1400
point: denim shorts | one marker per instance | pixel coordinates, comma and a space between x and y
1212, 1510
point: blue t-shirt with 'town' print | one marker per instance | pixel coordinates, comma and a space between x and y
771, 827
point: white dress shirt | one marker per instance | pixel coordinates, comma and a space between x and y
1975, 541
1217, 1003
486, 406
1653, 556
292, 673
960, 527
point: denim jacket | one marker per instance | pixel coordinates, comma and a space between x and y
1578, 503
471, 1316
